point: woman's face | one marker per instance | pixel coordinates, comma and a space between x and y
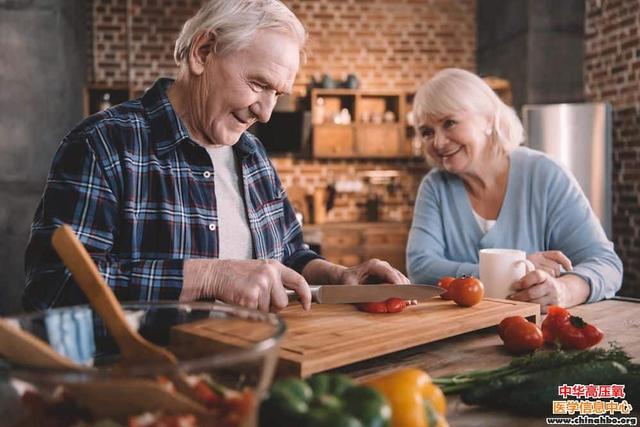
458, 142
242, 87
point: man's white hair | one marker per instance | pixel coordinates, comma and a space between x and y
453, 90
235, 22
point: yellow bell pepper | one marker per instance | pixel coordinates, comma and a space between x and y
415, 401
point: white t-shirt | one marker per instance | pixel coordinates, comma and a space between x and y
233, 227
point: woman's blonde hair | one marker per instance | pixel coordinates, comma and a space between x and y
235, 22
452, 90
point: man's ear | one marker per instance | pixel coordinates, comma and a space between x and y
203, 45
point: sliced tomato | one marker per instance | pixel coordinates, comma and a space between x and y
395, 305
373, 307
205, 394
392, 305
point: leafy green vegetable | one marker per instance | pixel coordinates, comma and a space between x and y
530, 383
536, 362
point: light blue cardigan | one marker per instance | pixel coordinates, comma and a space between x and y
544, 209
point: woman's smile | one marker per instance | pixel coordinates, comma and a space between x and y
449, 153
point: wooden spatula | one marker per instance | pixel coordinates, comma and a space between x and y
109, 397
134, 348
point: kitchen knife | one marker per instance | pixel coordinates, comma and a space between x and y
343, 294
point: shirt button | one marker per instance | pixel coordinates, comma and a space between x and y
207, 174
212, 227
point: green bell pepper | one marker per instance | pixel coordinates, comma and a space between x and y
324, 400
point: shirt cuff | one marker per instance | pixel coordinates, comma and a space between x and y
300, 258
592, 297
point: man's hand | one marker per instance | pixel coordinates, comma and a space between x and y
551, 262
540, 287
371, 271
321, 272
252, 283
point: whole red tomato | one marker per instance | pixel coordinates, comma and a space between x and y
508, 321
466, 291
521, 338
557, 318
444, 283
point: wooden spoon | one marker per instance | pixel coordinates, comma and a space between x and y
135, 349
106, 398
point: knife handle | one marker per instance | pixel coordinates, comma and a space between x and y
293, 296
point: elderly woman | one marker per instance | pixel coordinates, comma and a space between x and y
169, 193
487, 192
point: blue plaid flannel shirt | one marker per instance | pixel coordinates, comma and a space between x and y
139, 193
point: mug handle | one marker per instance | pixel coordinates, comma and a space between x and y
528, 265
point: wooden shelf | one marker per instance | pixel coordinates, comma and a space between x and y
501, 87
375, 128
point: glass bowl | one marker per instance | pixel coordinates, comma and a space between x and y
231, 350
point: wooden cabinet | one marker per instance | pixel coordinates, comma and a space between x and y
378, 140
340, 237
384, 236
351, 244
353, 123
333, 141
388, 244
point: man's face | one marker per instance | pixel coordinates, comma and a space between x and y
242, 87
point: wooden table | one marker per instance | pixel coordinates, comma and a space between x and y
618, 319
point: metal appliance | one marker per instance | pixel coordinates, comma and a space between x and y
579, 137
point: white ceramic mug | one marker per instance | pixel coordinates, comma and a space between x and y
500, 269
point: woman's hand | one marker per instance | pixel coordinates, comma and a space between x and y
551, 262
540, 287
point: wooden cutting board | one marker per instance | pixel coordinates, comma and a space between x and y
334, 335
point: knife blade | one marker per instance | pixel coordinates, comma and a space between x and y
344, 294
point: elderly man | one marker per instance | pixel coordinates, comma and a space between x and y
170, 194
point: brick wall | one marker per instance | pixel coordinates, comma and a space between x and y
612, 73
392, 44
397, 195
388, 44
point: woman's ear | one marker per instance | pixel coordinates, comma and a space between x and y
491, 126
203, 45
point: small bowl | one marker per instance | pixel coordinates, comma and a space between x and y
234, 347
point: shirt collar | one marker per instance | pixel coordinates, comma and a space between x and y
168, 131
